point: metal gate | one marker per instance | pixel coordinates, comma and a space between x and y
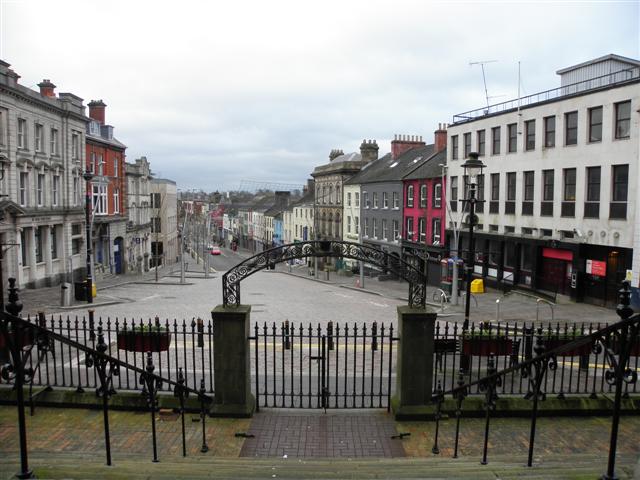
329, 366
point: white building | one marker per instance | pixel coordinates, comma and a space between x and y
138, 243
164, 218
42, 149
559, 207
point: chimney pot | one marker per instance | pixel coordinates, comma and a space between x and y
97, 110
47, 88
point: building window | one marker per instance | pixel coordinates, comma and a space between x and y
54, 242
3, 122
494, 203
511, 186
156, 225
348, 199
530, 135
623, 119
620, 180
100, 165
385, 230
569, 184
338, 195
568, 207
75, 146
40, 190
423, 196
437, 195
571, 128
55, 190
366, 226
357, 199
24, 189
436, 231
156, 200
510, 205
92, 163
385, 200
595, 124
409, 230
375, 199
547, 185
115, 167
330, 193
454, 194
480, 193
348, 224
396, 200
38, 243
495, 140
99, 200
410, 196
39, 134
422, 229
592, 203
365, 198
528, 186
495, 187
53, 147
454, 147
550, 132
22, 133
396, 230
547, 193
76, 190
481, 141
512, 133
356, 223
324, 195
116, 200
467, 144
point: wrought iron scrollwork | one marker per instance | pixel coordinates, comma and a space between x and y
324, 248
535, 372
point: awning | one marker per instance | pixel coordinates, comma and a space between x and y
558, 253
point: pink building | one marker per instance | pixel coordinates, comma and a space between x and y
424, 208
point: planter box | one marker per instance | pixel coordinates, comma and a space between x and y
144, 341
485, 346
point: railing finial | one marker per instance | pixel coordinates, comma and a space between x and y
14, 307
624, 309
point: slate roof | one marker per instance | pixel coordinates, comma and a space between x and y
429, 167
385, 169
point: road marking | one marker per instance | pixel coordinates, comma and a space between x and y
342, 295
384, 305
149, 297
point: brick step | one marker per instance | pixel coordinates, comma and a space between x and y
64, 465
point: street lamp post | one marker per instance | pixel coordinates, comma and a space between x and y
88, 176
472, 168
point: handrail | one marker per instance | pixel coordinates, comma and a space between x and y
574, 344
618, 374
84, 348
542, 300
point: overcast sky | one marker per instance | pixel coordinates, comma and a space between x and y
216, 92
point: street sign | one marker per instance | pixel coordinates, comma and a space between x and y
597, 268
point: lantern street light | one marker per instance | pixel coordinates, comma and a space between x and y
472, 168
88, 176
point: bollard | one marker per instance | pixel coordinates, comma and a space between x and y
497, 309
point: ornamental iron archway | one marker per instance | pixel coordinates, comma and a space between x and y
324, 248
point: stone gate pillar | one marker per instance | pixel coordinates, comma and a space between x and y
231, 362
414, 370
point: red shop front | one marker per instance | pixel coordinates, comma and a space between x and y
555, 271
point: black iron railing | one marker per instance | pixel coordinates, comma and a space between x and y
23, 338
334, 366
616, 343
580, 369
190, 349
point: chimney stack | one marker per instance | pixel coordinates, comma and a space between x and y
369, 150
46, 88
440, 137
96, 110
335, 153
402, 143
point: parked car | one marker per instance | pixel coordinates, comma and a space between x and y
215, 251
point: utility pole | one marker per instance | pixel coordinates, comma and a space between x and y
456, 239
207, 253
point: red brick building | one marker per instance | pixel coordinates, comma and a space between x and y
105, 158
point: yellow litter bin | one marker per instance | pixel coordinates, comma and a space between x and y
477, 286
94, 290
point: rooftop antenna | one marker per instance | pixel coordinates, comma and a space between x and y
484, 78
